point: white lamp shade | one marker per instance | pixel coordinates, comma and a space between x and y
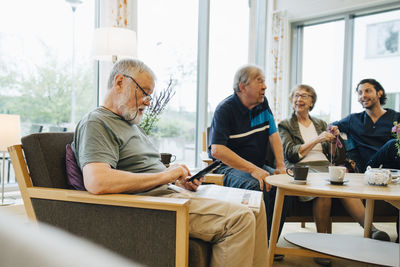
109, 42
10, 131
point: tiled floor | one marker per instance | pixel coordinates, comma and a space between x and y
293, 261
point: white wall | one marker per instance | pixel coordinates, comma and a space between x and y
306, 9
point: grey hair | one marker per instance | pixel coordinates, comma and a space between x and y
130, 67
244, 75
306, 88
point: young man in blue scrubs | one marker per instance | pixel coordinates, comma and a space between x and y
371, 130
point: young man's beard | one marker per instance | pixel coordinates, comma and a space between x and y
372, 103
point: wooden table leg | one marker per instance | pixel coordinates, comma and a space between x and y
275, 224
369, 216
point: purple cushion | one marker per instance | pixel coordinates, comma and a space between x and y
74, 173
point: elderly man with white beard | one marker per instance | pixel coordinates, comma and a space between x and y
116, 156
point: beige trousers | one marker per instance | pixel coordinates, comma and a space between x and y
238, 235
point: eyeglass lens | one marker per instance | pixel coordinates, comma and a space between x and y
304, 96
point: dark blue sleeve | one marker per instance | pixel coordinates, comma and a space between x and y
343, 124
220, 126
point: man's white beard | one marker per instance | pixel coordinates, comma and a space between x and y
131, 115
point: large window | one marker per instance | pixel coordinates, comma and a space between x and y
229, 44
322, 67
46, 73
167, 42
377, 54
334, 56
48, 77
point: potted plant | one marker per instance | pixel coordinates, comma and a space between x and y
158, 104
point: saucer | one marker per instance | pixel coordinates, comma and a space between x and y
395, 173
299, 181
338, 183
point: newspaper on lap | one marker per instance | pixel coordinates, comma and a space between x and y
249, 198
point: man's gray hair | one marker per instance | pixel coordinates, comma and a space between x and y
244, 75
131, 67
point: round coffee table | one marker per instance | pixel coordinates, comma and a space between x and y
318, 185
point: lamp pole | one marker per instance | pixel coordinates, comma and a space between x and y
2, 180
74, 5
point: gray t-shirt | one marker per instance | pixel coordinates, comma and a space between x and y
102, 136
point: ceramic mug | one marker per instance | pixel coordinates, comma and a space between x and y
299, 173
336, 173
167, 158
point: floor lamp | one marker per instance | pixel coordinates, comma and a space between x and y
10, 134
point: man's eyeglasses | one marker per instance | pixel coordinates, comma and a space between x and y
147, 97
301, 96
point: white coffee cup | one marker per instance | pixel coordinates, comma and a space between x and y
336, 173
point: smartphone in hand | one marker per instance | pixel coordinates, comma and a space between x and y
206, 170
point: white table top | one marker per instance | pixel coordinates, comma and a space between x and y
318, 184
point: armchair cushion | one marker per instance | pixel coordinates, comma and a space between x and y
74, 173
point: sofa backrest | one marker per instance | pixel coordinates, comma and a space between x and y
45, 157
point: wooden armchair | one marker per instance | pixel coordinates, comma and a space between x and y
150, 230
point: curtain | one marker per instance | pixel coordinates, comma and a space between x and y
276, 90
118, 13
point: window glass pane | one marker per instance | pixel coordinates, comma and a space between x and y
167, 43
377, 55
229, 38
322, 67
46, 73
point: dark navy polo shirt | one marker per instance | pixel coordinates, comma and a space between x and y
368, 137
244, 131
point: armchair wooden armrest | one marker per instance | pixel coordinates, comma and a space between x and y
214, 178
204, 157
211, 178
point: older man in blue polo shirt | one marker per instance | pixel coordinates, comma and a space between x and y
370, 130
242, 128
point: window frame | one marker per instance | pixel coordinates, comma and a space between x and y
297, 33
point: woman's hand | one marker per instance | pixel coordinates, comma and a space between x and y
326, 137
334, 130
